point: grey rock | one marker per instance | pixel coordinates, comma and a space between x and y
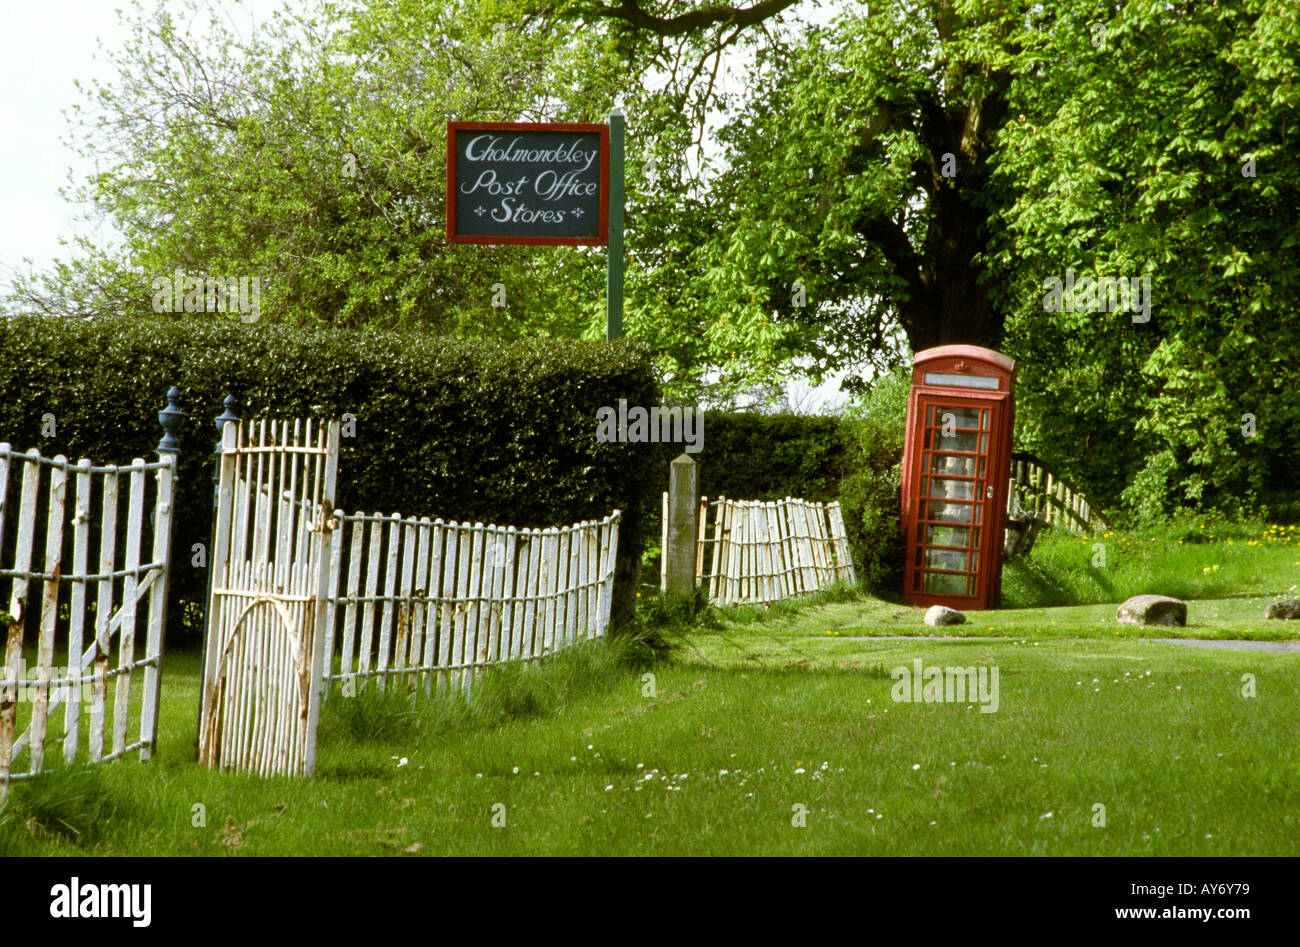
943, 615
1152, 610
1287, 608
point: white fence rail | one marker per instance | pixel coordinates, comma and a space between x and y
427, 601
100, 596
751, 551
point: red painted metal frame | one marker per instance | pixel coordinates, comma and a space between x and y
602, 231
973, 360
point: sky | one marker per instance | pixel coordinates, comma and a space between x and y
45, 47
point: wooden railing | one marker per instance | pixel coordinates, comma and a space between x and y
1035, 489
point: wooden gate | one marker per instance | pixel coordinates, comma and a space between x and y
263, 648
80, 600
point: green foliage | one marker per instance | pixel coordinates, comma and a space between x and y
496, 433
870, 494
749, 456
72, 803
675, 614
510, 693
311, 153
1189, 558
1160, 152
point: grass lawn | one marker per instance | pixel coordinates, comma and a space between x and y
743, 727
765, 717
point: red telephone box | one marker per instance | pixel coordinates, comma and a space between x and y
956, 473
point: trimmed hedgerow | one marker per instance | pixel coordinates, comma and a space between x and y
480, 431
771, 456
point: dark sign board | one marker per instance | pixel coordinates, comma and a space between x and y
527, 183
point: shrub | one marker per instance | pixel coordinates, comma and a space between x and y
869, 494
486, 431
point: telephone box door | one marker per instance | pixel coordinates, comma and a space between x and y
956, 476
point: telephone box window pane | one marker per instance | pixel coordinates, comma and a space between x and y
959, 417
981, 470
984, 443
952, 489
952, 465
975, 538
950, 512
952, 380
945, 584
974, 562
961, 442
949, 536
985, 423
970, 586
953, 559
979, 509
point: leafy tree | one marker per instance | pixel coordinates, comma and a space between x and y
1154, 142
312, 155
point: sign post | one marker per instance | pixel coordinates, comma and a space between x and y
614, 253
541, 183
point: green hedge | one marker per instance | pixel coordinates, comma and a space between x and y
492, 432
870, 493
771, 456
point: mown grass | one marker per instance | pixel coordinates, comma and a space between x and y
712, 754
760, 711
1188, 561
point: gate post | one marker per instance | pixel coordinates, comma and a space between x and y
322, 593
228, 414
164, 515
683, 527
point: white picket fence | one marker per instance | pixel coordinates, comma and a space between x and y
752, 551
429, 601
102, 602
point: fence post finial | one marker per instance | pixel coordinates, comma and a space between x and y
230, 414
170, 418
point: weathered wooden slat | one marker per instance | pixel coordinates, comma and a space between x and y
81, 510
350, 611
533, 606
450, 609
702, 525
126, 636
18, 610
506, 594
460, 648
663, 546
719, 548
382, 664
162, 538
103, 612
550, 566
580, 579
433, 588
48, 615
405, 619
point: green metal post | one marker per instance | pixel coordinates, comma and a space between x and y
614, 258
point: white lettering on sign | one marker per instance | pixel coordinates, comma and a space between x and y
564, 154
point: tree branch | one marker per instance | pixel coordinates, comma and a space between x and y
630, 12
